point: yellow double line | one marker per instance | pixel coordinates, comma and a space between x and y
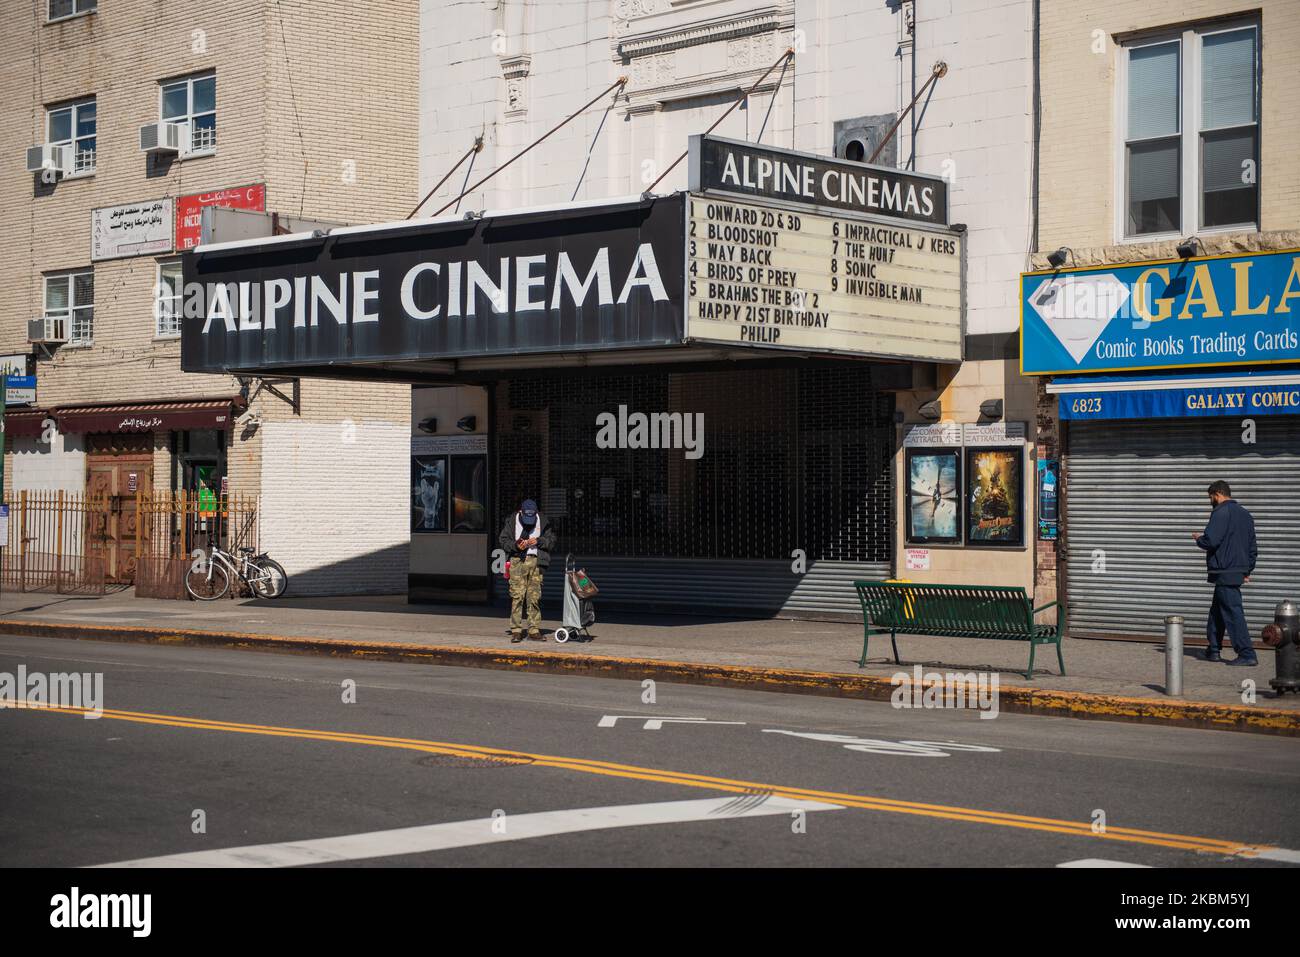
708, 782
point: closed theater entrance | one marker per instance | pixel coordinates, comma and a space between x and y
785, 505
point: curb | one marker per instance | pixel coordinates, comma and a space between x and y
1204, 715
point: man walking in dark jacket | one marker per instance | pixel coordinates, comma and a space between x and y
1230, 554
527, 540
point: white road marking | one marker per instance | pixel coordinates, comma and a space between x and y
915, 749
1280, 854
655, 724
1100, 862
516, 827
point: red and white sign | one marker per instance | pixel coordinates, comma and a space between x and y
189, 209
918, 559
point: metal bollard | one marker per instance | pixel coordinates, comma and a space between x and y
1174, 655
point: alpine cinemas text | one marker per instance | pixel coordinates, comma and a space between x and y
839, 186
428, 290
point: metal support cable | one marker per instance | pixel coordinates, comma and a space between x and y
469, 171
772, 102
785, 57
583, 174
478, 145
939, 69
621, 81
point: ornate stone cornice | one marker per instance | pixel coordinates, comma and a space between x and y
766, 20
516, 66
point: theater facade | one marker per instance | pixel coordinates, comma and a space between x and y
755, 346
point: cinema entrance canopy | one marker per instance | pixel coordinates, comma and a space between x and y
771, 253
780, 303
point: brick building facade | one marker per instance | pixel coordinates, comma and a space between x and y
315, 103
1208, 85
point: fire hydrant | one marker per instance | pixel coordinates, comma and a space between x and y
1284, 636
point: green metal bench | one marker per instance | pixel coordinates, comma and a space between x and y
956, 611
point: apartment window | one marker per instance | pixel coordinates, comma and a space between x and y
74, 126
167, 299
1190, 109
70, 307
193, 103
59, 9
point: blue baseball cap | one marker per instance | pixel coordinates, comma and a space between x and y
529, 509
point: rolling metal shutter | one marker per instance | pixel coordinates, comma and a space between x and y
796, 457
694, 586
1135, 490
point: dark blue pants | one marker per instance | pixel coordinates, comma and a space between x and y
1227, 615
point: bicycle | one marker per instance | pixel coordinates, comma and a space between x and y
210, 574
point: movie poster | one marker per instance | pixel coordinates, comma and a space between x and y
934, 496
428, 493
469, 494
994, 479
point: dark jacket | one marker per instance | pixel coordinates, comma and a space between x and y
545, 539
1229, 543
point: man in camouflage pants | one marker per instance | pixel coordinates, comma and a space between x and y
527, 539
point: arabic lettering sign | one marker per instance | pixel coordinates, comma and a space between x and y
1230, 310
189, 209
136, 229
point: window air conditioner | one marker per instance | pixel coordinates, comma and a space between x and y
163, 137
48, 329
48, 157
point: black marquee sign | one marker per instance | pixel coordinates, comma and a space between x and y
565, 280
761, 172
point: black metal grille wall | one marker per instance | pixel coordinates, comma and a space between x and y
793, 458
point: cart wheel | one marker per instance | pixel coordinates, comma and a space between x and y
561, 635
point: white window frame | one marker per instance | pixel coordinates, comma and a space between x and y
188, 119
80, 8
1189, 127
167, 326
69, 315
73, 106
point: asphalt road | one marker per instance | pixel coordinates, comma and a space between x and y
266, 748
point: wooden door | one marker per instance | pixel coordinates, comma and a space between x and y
118, 481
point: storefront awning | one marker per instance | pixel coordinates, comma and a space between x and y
1177, 396
148, 416
24, 424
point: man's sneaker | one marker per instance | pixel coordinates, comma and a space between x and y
516, 636
535, 635
1211, 655
1244, 662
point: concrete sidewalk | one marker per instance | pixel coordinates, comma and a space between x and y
1129, 669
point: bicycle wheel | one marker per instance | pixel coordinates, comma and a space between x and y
207, 583
271, 580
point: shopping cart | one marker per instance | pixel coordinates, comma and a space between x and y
579, 604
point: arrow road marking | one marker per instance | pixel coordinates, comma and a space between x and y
916, 749
514, 827
655, 724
